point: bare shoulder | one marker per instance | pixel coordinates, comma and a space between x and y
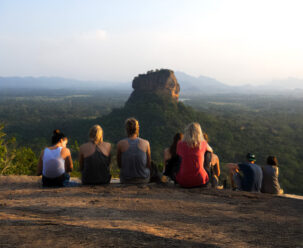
83, 146
144, 145
65, 151
215, 156
122, 142
143, 141
107, 145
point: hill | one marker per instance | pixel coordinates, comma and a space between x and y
154, 102
201, 84
143, 216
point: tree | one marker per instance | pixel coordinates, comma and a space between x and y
21, 161
7, 152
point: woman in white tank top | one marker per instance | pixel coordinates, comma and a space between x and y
55, 162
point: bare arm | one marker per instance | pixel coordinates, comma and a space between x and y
108, 152
40, 164
81, 159
69, 164
216, 165
148, 155
208, 148
119, 153
232, 167
68, 160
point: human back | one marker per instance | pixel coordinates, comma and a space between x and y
252, 176
191, 150
95, 158
55, 161
270, 181
133, 155
134, 159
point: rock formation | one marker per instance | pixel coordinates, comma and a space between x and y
161, 82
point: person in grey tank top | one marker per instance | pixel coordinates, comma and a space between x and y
133, 155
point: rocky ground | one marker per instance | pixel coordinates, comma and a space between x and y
144, 216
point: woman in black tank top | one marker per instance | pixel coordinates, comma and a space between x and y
95, 158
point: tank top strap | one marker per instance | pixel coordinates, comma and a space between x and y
133, 142
58, 151
98, 150
53, 152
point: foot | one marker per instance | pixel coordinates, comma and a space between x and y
219, 187
164, 179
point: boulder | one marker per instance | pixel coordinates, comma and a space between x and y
161, 82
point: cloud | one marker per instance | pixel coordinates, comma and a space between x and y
92, 36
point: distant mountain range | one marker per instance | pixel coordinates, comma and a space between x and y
207, 85
57, 83
202, 84
189, 85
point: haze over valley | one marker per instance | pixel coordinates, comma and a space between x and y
191, 85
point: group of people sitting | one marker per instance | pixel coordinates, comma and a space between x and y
189, 162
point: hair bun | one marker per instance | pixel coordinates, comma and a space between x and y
56, 131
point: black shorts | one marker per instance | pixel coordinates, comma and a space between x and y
55, 182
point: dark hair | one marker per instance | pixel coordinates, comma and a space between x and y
173, 147
272, 160
132, 126
57, 136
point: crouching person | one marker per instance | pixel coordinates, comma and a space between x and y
55, 162
133, 155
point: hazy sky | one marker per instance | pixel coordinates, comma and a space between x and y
234, 41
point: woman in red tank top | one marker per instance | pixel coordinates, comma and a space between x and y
191, 149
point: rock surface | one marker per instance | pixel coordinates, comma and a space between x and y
150, 215
161, 82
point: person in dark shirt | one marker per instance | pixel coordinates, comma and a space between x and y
171, 160
246, 176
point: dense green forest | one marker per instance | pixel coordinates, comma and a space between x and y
264, 125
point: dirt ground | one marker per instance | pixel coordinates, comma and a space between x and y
144, 216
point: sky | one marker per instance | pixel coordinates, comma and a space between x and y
234, 41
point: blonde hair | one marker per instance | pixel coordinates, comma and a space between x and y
131, 126
193, 134
96, 134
